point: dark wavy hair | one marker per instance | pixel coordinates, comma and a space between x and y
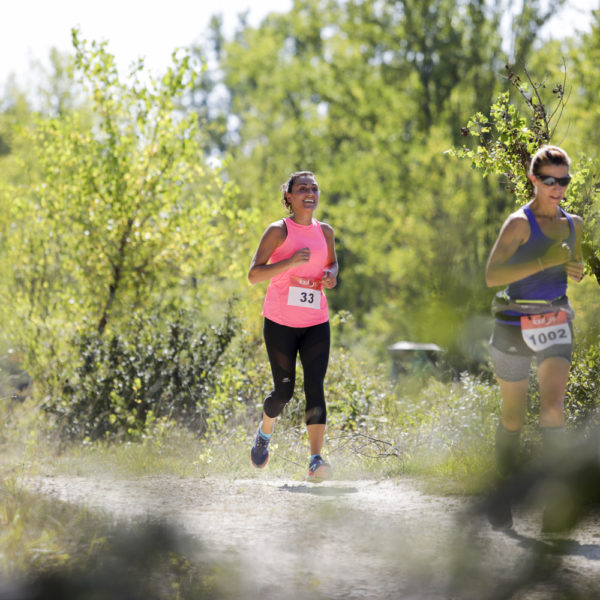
289, 184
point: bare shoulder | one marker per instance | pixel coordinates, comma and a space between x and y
276, 231
327, 229
577, 221
516, 226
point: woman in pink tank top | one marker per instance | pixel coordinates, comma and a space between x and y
296, 255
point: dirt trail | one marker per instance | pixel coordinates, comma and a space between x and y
341, 539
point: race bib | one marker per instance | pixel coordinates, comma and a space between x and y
304, 292
542, 331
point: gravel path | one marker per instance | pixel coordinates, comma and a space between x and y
361, 539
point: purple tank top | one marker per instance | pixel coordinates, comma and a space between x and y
549, 284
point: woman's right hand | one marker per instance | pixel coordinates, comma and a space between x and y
300, 256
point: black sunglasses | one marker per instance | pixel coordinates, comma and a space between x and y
549, 180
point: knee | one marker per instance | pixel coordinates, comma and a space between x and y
514, 408
512, 422
513, 417
552, 414
273, 406
317, 415
278, 398
316, 410
552, 403
314, 387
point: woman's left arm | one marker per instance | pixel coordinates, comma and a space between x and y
330, 271
574, 267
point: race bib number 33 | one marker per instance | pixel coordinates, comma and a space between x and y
542, 331
305, 293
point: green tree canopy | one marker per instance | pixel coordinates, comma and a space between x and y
121, 211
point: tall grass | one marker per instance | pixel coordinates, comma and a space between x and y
419, 426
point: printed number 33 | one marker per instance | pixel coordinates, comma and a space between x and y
303, 297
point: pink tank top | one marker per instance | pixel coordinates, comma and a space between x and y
295, 298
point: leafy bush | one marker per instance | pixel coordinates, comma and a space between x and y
353, 391
124, 381
14, 381
243, 384
448, 416
583, 387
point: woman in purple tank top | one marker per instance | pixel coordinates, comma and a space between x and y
296, 255
538, 248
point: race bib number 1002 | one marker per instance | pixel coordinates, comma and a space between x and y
542, 331
305, 293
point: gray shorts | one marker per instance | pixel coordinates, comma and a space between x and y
511, 356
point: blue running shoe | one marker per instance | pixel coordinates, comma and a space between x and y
319, 470
259, 455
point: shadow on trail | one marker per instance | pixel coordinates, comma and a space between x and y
565, 489
318, 490
566, 485
559, 546
510, 565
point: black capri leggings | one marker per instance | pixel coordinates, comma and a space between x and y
283, 344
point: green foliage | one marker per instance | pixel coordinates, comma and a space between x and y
584, 200
367, 94
120, 210
355, 391
113, 207
506, 140
123, 382
452, 415
584, 55
243, 383
583, 388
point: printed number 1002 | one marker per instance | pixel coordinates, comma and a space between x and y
541, 339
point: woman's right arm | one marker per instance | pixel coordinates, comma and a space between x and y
272, 238
515, 232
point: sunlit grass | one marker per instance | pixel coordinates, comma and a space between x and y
434, 430
38, 533
49, 549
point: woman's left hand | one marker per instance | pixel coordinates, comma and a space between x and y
574, 270
329, 279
